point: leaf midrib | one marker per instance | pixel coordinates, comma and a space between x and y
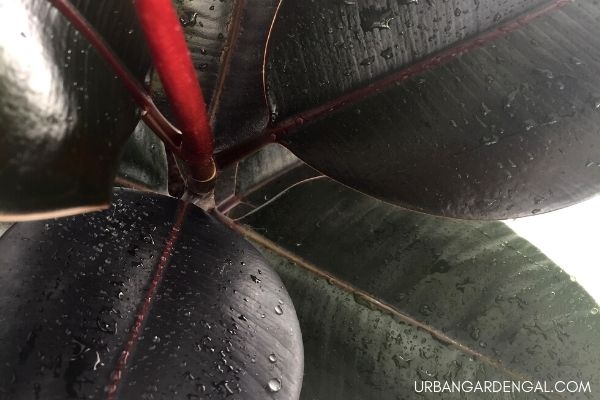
374, 301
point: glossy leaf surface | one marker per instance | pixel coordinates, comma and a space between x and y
386, 297
477, 110
227, 42
79, 316
64, 117
144, 162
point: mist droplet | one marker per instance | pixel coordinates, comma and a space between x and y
274, 385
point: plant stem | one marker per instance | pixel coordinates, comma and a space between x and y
170, 135
173, 63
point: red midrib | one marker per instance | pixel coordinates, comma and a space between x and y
418, 68
144, 308
275, 132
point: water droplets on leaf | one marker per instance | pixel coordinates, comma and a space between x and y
485, 110
592, 164
530, 124
595, 101
545, 73
387, 53
489, 140
425, 310
367, 61
371, 19
274, 385
189, 20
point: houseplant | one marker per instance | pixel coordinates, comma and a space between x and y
475, 110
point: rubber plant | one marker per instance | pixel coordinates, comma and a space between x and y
414, 127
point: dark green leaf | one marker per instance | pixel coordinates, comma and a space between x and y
501, 125
144, 162
64, 116
416, 296
228, 41
355, 351
77, 299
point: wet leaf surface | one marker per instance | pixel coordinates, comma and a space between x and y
355, 351
449, 299
227, 41
64, 116
486, 113
78, 317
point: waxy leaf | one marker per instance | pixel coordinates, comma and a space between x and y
64, 116
228, 42
387, 296
152, 298
471, 109
144, 162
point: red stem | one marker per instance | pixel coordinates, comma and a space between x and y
170, 135
173, 63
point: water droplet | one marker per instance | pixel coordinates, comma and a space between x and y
595, 101
594, 311
97, 362
367, 61
192, 20
489, 140
457, 12
255, 279
274, 385
545, 72
576, 61
425, 310
485, 110
530, 124
590, 164
387, 53
278, 310
272, 358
